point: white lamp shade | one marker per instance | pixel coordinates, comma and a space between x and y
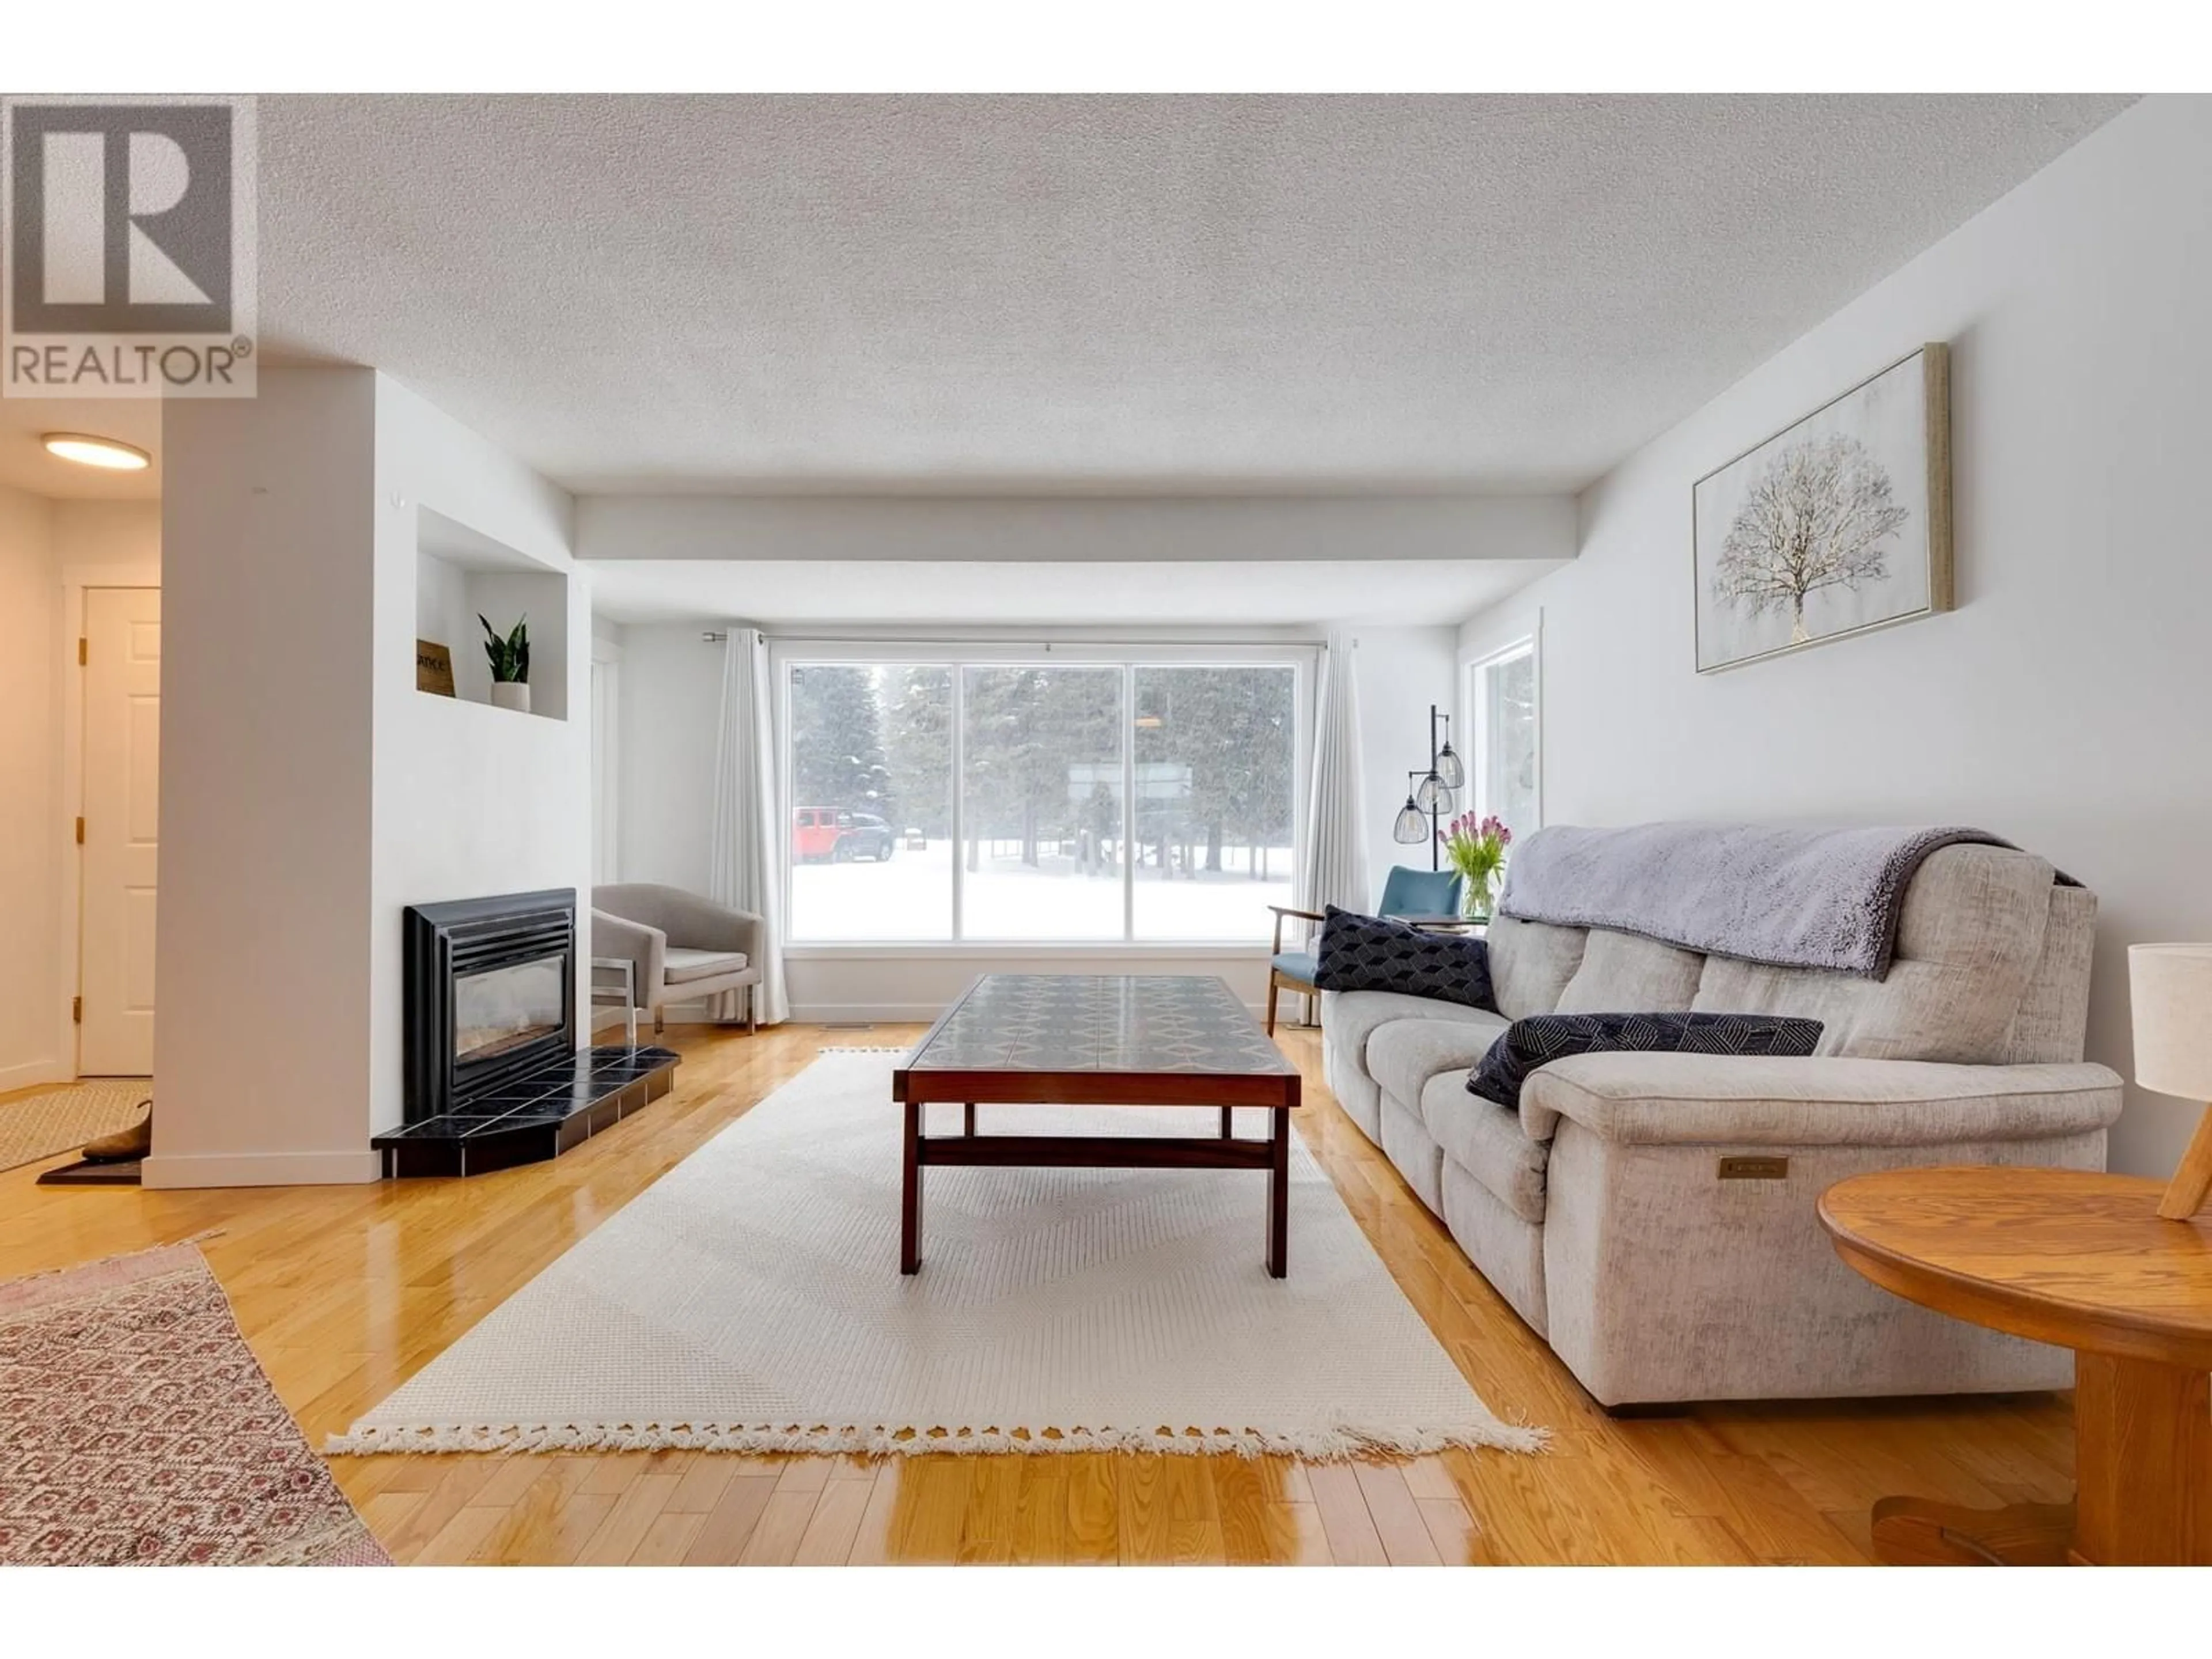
2170, 988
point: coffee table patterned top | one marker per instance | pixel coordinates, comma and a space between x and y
1101, 1022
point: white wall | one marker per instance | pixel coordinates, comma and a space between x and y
119, 542
671, 700
2065, 703
31, 841
1401, 671
442, 618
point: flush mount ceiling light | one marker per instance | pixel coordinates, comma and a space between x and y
88, 450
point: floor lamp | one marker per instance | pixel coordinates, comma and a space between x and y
1421, 818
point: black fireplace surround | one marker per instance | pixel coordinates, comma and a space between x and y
494, 1076
490, 995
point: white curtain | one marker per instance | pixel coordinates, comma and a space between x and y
746, 847
1334, 868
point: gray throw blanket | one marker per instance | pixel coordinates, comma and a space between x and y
1792, 898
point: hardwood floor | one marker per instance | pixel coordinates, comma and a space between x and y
343, 1292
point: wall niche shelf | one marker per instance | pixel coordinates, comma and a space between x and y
460, 574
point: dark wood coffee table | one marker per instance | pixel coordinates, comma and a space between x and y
1098, 1040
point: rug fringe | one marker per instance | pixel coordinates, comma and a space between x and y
1311, 1445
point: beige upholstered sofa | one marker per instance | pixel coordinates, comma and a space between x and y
1601, 1211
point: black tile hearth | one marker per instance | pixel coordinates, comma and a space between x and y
530, 1118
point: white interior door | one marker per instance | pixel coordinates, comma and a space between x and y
122, 829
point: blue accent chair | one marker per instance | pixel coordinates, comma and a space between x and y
1418, 893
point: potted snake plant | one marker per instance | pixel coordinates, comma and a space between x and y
510, 663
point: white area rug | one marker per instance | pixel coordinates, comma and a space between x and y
751, 1301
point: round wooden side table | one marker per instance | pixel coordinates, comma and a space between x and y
2083, 1260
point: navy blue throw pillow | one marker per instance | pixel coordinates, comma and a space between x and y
1529, 1044
1373, 953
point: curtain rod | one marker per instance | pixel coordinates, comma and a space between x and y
716, 636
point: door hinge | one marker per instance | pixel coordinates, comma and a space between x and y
76, 1011
83, 651
80, 832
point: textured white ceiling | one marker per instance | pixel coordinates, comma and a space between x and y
1182, 592
1128, 294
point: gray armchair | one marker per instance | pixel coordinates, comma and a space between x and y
681, 947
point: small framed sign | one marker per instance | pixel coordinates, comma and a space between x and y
433, 668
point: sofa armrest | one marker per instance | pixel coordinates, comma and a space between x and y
647, 948
1670, 1099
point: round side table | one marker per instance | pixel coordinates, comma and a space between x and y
2082, 1260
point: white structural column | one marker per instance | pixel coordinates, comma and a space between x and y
262, 962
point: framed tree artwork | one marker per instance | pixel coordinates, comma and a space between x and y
1838, 525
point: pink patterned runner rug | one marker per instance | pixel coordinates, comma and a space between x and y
136, 1428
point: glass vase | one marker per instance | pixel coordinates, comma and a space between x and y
1474, 900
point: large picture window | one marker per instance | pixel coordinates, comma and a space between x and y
870, 771
1216, 759
1508, 747
1078, 801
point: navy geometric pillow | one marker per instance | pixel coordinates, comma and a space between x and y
1529, 1044
1373, 953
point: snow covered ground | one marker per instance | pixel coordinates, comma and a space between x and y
910, 897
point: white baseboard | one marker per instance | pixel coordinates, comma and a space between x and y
847, 1013
837, 1013
32, 1074
262, 1169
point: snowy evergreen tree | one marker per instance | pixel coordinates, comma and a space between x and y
917, 725
1028, 730
837, 740
1231, 729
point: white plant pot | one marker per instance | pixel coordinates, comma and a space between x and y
511, 694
